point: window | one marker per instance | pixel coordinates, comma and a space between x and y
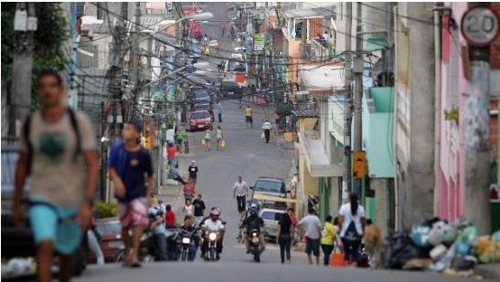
200, 115
271, 215
100, 11
269, 186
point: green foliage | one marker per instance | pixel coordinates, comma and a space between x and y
451, 114
49, 40
105, 210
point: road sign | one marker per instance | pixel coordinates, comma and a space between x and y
359, 165
479, 26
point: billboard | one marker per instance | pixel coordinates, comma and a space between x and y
258, 42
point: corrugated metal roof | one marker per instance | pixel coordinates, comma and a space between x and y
305, 113
308, 13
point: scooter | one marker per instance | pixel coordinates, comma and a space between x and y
255, 245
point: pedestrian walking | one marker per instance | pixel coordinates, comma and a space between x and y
267, 126
219, 110
249, 116
193, 172
188, 208
351, 223
328, 239
285, 229
222, 27
233, 33
312, 227
128, 163
206, 140
179, 140
188, 190
158, 227
199, 208
219, 137
293, 218
186, 144
53, 138
240, 193
171, 156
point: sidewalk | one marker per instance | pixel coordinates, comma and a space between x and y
489, 271
276, 136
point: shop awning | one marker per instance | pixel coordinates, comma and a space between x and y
316, 158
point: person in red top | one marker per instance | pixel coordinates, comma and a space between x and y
294, 221
188, 190
171, 155
169, 217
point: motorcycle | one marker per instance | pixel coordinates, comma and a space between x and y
172, 235
185, 243
255, 244
212, 246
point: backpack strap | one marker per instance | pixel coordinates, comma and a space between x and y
26, 135
74, 125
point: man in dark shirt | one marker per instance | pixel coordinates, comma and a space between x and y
193, 171
128, 164
199, 207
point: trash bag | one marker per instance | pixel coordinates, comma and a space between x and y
442, 233
420, 235
465, 239
463, 263
496, 236
402, 250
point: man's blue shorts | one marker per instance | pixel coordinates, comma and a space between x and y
56, 224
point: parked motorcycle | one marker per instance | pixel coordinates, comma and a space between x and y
255, 245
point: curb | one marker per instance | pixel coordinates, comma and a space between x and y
489, 272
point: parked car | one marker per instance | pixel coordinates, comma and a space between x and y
199, 94
270, 186
271, 217
18, 242
111, 242
200, 120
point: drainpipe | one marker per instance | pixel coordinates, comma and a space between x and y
437, 108
395, 124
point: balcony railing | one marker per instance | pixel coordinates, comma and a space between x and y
321, 50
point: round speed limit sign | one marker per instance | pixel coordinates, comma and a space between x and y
479, 26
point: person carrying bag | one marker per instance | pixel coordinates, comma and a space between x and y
351, 221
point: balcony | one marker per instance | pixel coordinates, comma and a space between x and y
321, 50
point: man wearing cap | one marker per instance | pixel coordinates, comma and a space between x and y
193, 172
128, 164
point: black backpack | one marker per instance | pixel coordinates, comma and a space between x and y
27, 131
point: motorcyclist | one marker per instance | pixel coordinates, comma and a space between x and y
188, 228
214, 224
253, 222
157, 225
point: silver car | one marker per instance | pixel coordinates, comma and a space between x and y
271, 217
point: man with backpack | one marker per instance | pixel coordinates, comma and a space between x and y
53, 142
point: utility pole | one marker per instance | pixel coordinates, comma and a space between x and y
346, 179
181, 43
477, 137
358, 95
73, 93
25, 24
134, 55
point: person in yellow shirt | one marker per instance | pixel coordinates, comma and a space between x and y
249, 116
328, 239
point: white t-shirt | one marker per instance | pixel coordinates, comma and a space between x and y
345, 210
312, 225
240, 188
189, 209
214, 226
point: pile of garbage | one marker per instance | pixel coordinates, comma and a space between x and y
438, 246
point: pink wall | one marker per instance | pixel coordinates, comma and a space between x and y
451, 177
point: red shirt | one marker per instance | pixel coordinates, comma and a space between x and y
188, 189
170, 218
171, 152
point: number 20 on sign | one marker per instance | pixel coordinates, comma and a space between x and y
479, 26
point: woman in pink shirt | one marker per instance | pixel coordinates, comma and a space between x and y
294, 220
